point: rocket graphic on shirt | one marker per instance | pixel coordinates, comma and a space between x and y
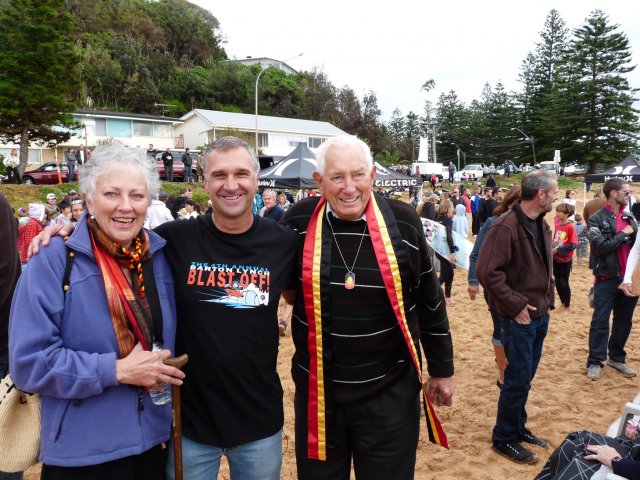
236, 286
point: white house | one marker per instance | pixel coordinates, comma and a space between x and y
132, 129
277, 136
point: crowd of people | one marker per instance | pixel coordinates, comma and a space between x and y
359, 284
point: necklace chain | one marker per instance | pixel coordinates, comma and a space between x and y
349, 270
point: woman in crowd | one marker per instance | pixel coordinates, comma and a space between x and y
87, 347
474, 284
582, 454
565, 241
444, 216
283, 202
460, 221
29, 229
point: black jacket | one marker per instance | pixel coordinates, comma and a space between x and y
605, 242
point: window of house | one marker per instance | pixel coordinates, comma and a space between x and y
315, 142
100, 127
118, 128
142, 129
263, 140
162, 130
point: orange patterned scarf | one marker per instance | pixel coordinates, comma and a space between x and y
129, 308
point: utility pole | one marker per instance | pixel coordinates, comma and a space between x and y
435, 157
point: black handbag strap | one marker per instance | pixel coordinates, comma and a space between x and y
70, 257
153, 298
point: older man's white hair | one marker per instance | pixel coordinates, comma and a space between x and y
339, 142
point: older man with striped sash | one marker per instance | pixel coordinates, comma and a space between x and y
368, 297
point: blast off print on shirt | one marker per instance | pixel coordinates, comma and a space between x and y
236, 286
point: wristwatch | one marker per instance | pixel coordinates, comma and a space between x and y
615, 460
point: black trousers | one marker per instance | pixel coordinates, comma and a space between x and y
380, 433
149, 465
13, 175
561, 272
446, 275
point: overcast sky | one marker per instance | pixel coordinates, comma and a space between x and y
393, 47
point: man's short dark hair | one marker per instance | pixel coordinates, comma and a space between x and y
611, 185
534, 181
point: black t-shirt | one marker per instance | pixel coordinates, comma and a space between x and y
227, 292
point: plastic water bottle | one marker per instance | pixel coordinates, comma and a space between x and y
160, 397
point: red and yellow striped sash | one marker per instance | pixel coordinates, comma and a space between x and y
311, 269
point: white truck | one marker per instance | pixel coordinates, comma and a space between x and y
427, 169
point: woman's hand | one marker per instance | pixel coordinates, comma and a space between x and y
145, 369
601, 453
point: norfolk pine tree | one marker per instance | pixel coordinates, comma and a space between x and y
608, 124
38, 76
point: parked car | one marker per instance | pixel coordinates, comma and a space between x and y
503, 167
473, 171
573, 169
178, 166
487, 169
47, 174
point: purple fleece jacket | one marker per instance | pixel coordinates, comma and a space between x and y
64, 347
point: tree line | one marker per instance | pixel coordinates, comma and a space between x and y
130, 55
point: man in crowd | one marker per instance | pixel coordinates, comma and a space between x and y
368, 295
158, 213
455, 198
612, 232
185, 194
475, 205
10, 268
167, 161
51, 208
186, 162
11, 162
82, 155
271, 208
452, 170
515, 267
486, 206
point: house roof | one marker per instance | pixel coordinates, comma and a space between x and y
245, 121
127, 115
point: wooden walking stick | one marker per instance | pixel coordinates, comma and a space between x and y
179, 363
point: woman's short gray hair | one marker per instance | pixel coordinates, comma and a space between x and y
342, 141
117, 157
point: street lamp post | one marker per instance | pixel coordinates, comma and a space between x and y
280, 62
528, 138
464, 155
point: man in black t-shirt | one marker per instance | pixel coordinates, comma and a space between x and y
228, 280
367, 296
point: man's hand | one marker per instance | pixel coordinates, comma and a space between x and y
626, 289
440, 390
523, 317
628, 230
473, 291
46, 235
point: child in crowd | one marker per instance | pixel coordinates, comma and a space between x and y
565, 242
583, 239
445, 216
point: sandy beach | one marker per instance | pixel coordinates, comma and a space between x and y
562, 399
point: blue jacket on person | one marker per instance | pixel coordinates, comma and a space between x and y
64, 348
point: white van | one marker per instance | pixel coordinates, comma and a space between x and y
551, 167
